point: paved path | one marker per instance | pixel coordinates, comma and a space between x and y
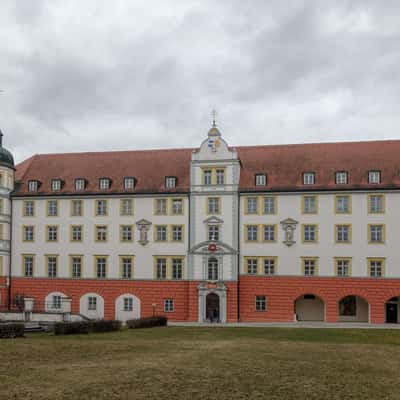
340, 325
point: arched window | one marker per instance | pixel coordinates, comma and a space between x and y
212, 269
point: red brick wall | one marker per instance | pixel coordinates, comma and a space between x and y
185, 294
282, 293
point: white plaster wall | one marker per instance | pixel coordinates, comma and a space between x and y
143, 261
92, 314
122, 315
310, 309
289, 258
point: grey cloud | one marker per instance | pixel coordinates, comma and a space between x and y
96, 75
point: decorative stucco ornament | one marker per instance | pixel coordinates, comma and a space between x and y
289, 226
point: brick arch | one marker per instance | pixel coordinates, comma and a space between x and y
314, 292
341, 294
386, 298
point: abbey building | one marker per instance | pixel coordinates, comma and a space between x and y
216, 233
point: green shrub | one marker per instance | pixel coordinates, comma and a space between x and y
79, 327
71, 328
12, 330
105, 326
149, 322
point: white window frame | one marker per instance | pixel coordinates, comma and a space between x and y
104, 183
92, 303
177, 268
269, 266
33, 186
129, 183
169, 305
79, 184
374, 176
341, 178
309, 178
56, 185
220, 176
260, 303
128, 304
261, 179
252, 266
170, 182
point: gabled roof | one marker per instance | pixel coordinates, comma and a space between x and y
283, 164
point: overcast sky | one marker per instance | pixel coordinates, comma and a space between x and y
107, 75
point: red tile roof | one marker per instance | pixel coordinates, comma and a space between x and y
283, 164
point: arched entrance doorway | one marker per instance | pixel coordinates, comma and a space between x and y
309, 308
353, 309
212, 308
392, 310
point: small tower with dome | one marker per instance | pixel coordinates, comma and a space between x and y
7, 174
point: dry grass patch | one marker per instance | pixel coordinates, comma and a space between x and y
203, 363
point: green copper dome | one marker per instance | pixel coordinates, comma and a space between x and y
6, 158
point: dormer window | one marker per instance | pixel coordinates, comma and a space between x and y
374, 176
341, 178
261, 179
129, 183
308, 178
33, 186
104, 183
170, 182
80, 184
56, 185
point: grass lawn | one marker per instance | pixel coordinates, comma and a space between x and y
204, 363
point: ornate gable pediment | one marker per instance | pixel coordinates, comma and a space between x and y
213, 220
222, 248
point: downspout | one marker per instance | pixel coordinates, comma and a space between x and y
238, 261
10, 257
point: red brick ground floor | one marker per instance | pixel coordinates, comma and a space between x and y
286, 298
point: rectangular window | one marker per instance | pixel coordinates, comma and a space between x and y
129, 183
376, 268
261, 179
177, 268
252, 233
161, 233
79, 184
101, 233
252, 205
342, 204
29, 233
56, 302
269, 266
309, 233
126, 233
56, 185
309, 267
52, 233
104, 183
92, 303
29, 208
76, 266
376, 234
376, 203
128, 304
252, 266
76, 233
269, 233
177, 206
309, 204
220, 176
77, 208
52, 208
374, 177
161, 268
28, 266
269, 205
213, 232
341, 177
101, 267
308, 178
126, 207
168, 305
261, 303
126, 267
207, 177
177, 233
101, 207
52, 266
33, 186
343, 267
343, 233
161, 206
213, 205
170, 182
